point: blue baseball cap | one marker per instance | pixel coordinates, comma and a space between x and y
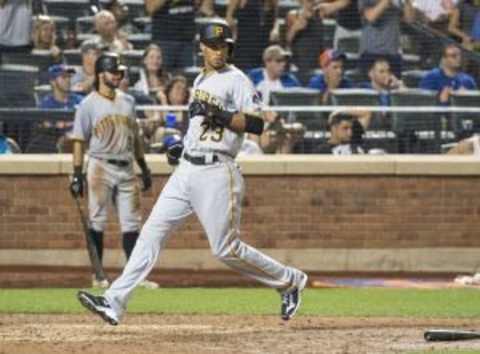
56, 70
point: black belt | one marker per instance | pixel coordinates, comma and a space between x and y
119, 163
200, 160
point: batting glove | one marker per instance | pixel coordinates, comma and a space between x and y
76, 186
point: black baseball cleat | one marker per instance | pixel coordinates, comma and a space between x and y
292, 299
98, 305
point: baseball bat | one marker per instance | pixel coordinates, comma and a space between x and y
436, 335
92, 250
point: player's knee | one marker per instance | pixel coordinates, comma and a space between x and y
228, 251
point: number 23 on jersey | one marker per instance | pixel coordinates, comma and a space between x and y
211, 132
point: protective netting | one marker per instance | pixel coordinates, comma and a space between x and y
414, 64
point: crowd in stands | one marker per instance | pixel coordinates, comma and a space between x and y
279, 45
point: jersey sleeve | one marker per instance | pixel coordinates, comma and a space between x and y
245, 96
82, 125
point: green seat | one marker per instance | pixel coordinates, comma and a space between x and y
298, 96
355, 97
463, 121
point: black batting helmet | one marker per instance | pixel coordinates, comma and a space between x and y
109, 62
216, 31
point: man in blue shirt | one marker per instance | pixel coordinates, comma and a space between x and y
61, 97
448, 77
331, 62
274, 75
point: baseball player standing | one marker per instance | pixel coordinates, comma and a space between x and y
105, 121
208, 182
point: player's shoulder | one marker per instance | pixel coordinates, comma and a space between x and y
235, 72
125, 97
89, 100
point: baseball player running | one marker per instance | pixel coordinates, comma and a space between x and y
208, 182
105, 121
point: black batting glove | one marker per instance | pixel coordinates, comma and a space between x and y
197, 108
174, 152
76, 185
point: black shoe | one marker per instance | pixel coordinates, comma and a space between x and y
292, 299
98, 305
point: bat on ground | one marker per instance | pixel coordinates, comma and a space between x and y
437, 335
92, 250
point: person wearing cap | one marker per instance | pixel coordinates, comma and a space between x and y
82, 81
331, 61
273, 75
61, 97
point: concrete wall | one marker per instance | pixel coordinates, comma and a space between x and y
323, 213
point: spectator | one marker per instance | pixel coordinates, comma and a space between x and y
383, 80
476, 31
455, 27
343, 126
108, 36
273, 75
347, 16
305, 36
153, 76
15, 26
331, 62
120, 11
173, 29
177, 93
381, 31
448, 77
45, 37
61, 97
468, 146
175, 123
84, 78
256, 26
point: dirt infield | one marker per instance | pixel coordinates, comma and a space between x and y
85, 334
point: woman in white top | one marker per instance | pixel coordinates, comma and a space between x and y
153, 77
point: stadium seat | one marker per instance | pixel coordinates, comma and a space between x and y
355, 97
411, 62
71, 9
463, 122
352, 61
412, 78
140, 40
84, 24
41, 91
143, 23
73, 56
62, 24
417, 132
298, 96
41, 59
133, 57
329, 26
355, 75
349, 44
191, 73
17, 85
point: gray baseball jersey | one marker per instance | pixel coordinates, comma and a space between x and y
108, 127
228, 89
213, 190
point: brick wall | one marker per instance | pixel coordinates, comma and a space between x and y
280, 211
